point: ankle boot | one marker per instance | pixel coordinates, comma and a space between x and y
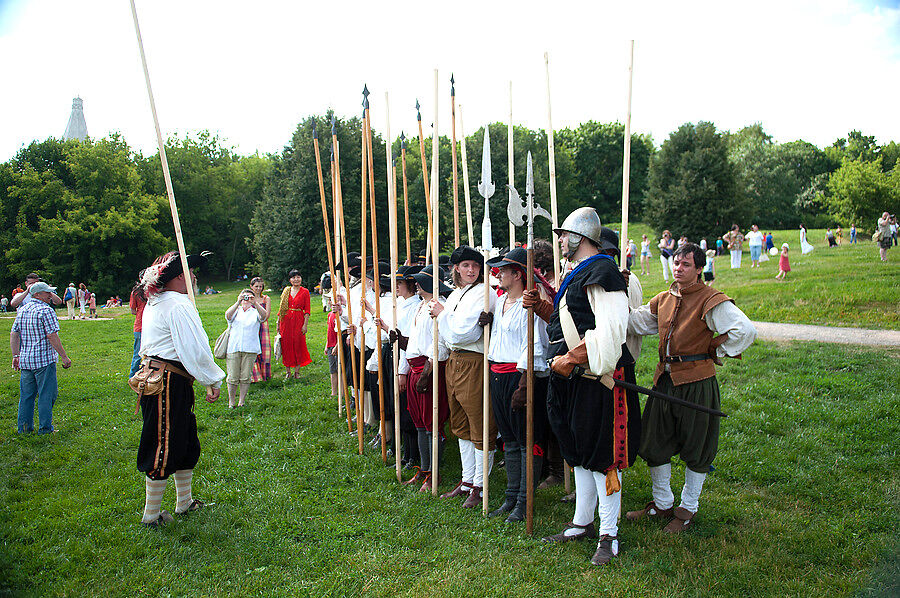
507, 506
518, 513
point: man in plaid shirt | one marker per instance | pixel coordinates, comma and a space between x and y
34, 341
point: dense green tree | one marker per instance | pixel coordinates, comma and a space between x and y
859, 191
693, 185
597, 156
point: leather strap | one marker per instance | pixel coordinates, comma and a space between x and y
158, 364
687, 358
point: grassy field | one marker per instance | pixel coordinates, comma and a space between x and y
840, 286
803, 501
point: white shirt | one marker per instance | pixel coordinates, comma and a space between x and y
372, 331
172, 330
635, 300
244, 335
422, 337
509, 336
754, 238
406, 316
458, 323
604, 341
725, 318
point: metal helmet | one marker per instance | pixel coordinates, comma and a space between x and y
583, 222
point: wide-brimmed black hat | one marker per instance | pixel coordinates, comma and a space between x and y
425, 279
463, 253
406, 272
516, 257
384, 276
609, 240
173, 268
352, 259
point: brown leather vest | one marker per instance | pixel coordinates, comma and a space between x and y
683, 331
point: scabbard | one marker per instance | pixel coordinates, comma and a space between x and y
661, 395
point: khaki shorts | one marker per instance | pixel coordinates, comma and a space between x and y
239, 367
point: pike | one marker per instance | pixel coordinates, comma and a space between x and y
486, 188
360, 403
328, 237
392, 233
425, 181
465, 170
511, 162
626, 159
453, 158
377, 273
516, 212
339, 213
435, 182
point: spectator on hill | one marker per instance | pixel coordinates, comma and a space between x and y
829, 236
137, 302
852, 234
666, 251
35, 345
805, 246
69, 297
262, 367
770, 242
735, 241
645, 255
894, 229
244, 318
83, 297
23, 297
755, 240
839, 234
720, 247
92, 305
784, 264
709, 270
4, 303
885, 241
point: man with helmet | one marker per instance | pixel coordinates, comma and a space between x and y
598, 426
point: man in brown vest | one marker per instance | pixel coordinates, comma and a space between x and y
697, 326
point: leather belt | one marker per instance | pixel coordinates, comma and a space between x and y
159, 364
464, 351
687, 358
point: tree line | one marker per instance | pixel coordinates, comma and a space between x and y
97, 211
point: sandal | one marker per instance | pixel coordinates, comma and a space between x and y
195, 505
164, 518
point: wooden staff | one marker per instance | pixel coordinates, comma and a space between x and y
453, 159
435, 190
335, 286
465, 169
325, 223
360, 404
377, 279
179, 238
405, 196
392, 232
339, 199
529, 371
554, 213
511, 165
426, 183
626, 159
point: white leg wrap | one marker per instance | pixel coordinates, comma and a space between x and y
183, 496
479, 478
662, 488
609, 507
155, 490
585, 498
690, 494
467, 458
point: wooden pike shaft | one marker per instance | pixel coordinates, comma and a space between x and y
486, 384
426, 182
435, 193
405, 204
377, 283
626, 159
327, 229
511, 163
340, 215
453, 161
529, 394
392, 233
360, 402
179, 238
465, 170
343, 398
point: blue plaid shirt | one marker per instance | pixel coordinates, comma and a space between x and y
34, 321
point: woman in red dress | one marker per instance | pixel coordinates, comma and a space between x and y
293, 317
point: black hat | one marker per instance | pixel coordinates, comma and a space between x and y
173, 268
352, 259
609, 240
463, 253
444, 261
425, 280
516, 257
384, 277
406, 272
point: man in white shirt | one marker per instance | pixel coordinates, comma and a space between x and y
508, 356
172, 340
24, 297
460, 329
407, 303
697, 326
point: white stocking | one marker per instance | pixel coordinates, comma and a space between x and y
690, 494
662, 489
479, 479
183, 496
155, 490
585, 499
609, 506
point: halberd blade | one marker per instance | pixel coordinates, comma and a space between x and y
486, 186
515, 209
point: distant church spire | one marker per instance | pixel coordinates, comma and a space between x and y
77, 128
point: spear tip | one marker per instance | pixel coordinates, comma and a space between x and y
315, 132
452, 85
332, 124
418, 111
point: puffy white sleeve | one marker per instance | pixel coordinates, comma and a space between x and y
541, 348
604, 342
192, 346
460, 327
727, 318
642, 322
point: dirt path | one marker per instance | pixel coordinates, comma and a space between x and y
772, 331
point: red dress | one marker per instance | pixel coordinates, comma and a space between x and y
293, 341
784, 263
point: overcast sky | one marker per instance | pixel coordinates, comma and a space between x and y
250, 71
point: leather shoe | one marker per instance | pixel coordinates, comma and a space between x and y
681, 520
474, 498
508, 505
518, 514
587, 532
462, 488
651, 510
607, 550
551, 480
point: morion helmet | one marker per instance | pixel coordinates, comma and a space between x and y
583, 222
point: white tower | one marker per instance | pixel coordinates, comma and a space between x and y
77, 128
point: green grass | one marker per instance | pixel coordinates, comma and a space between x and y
841, 286
803, 501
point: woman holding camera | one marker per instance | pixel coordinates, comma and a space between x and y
244, 318
293, 317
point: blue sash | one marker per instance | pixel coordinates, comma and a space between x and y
565, 283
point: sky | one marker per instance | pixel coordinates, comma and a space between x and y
251, 71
